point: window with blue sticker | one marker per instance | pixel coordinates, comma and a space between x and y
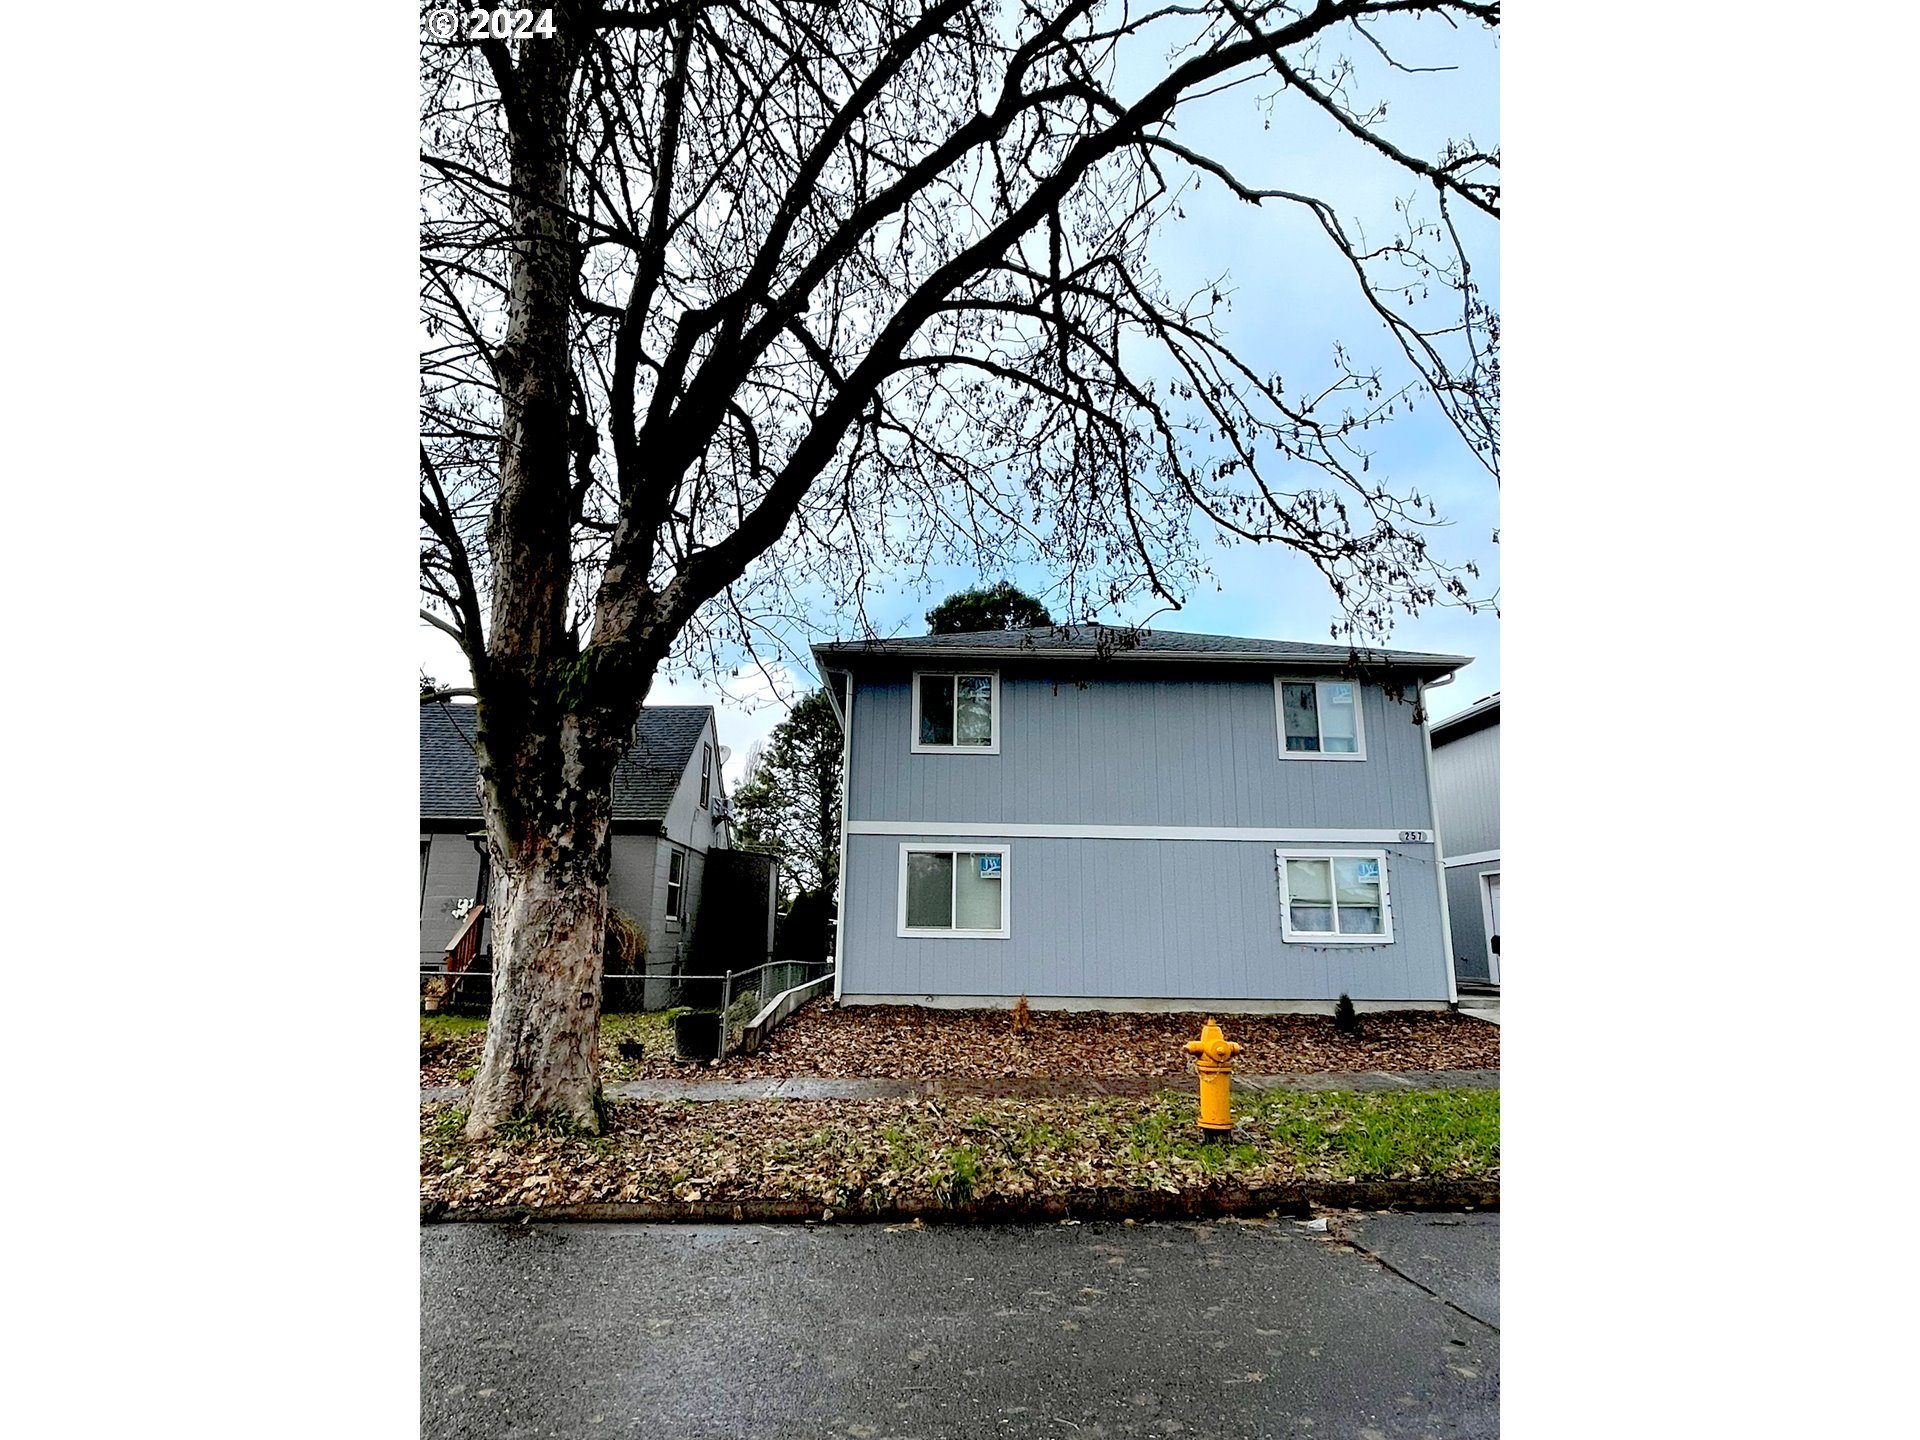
1334, 897
949, 891
1320, 718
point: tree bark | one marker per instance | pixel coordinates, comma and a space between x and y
550, 849
542, 1050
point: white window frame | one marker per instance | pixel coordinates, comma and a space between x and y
1280, 717
956, 847
1322, 937
706, 774
992, 747
676, 889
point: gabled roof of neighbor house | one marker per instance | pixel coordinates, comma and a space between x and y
1121, 644
1478, 716
643, 782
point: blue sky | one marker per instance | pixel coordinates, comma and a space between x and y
1290, 299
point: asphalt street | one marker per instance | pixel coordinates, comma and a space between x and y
756, 1332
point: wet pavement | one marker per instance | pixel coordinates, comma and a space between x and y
1203, 1328
1019, 1086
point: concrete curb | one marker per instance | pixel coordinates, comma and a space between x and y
1117, 1203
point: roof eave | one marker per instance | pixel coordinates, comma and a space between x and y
1481, 715
1413, 662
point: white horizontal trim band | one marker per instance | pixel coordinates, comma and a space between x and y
949, 829
1479, 857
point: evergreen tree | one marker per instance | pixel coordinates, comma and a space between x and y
790, 805
996, 607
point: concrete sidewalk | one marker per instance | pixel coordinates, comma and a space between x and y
1017, 1087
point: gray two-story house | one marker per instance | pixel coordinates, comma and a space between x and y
1466, 780
1109, 819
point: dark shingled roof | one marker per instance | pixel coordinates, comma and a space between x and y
1483, 713
643, 782
1069, 641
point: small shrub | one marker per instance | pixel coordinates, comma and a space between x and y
1022, 1016
1345, 1018
626, 944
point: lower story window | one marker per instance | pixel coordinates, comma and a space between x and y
676, 883
1334, 897
945, 890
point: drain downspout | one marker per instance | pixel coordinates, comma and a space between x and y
1439, 854
840, 880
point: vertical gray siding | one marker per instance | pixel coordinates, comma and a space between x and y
1180, 750
1466, 787
1140, 918
630, 879
1469, 920
668, 939
453, 872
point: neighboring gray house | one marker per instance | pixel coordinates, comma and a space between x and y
668, 804
1466, 781
1099, 818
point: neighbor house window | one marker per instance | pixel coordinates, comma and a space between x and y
676, 883
951, 891
1320, 718
957, 713
706, 774
1334, 898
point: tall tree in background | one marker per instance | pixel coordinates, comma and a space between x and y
730, 302
790, 805
997, 607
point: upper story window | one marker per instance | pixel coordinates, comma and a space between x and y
706, 775
956, 713
1320, 720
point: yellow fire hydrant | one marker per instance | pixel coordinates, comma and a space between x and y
1215, 1065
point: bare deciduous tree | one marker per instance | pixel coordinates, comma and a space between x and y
723, 296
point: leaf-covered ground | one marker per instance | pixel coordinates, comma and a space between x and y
920, 1044
632, 1047
910, 1043
879, 1154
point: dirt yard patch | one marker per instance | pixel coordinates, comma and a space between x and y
909, 1043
